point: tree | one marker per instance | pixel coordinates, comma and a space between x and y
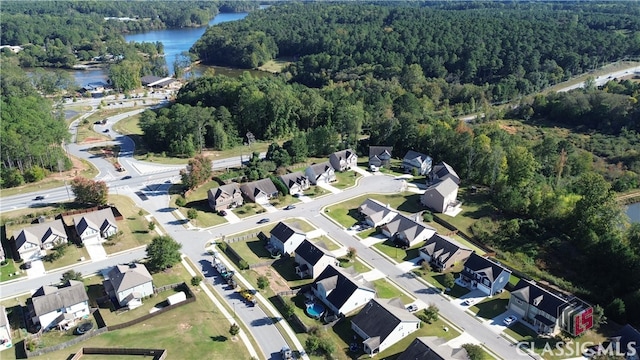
263, 282
196, 280
598, 317
474, 351
448, 280
71, 275
192, 214
89, 191
288, 308
351, 253
616, 310
151, 226
163, 253
197, 172
430, 314
234, 329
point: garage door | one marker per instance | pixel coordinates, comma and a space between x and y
516, 309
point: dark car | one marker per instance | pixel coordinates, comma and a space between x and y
289, 207
222, 213
39, 197
126, 177
26, 265
105, 130
263, 220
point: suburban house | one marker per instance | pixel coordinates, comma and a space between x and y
51, 306
382, 323
322, 173
548, 312
419, 161
311, 259
375, 213
129, 284
443, 171
484, 274
627, 341
296, 182
441, 196
225, 197
340, 292
432, 348
5, 330
30, 241
406, 231
286, 239
95, 225
443, 252
260, 191
343, 160
380, 156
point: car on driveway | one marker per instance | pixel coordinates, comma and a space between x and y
263, 221
222, 213
469, 301
355, 227
509, 320
26, 265
289, 207
412, 308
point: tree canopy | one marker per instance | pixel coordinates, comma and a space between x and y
163, 253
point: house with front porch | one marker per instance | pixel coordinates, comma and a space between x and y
441, 196
407, 232
550, 312
311, 260
382, 323
260, 191
322, 173
343, 160
443, 253
52, 307
129, 284
95, 225
419, 162
432, 348
380, 156
376, 213
296, 182
225, 197
30, 241
285, 239
340, 292
484, 274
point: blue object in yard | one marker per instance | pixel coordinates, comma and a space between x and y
315, 310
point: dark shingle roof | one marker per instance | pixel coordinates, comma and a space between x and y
321, 168
293, 178
283, 231
441, 247
341, 285
378, 150
98, 220
343, 154
379, 318
254, 188
420, 157
310, 253
482, 265
442, 169
628, 337
431, 348
48, 298
540, 298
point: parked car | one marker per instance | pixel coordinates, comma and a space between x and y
263, 221
355, 227
412, 308
469, 301
105, 130
510, 320
26, 265
222, 213
289, 207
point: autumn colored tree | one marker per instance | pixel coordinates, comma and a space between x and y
89, 191
197, 172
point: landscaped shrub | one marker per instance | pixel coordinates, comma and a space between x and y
474, 351
243, 264
196, 280
180, 201
234, 329
263, 282
223, 246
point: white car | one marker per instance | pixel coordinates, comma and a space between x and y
412, 308
355, 227
469, 301
509, 320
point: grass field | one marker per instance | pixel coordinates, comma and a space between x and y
283, 201
492, 307
328, 243
398, 254
474, 207
345, 179
357, 265
72, 255
274, 66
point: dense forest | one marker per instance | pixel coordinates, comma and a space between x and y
517, 48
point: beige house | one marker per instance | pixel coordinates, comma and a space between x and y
5, 330
443, 253
30, 241
311, 260
96, 225
343, 160
225, 197
441, 196
407, 232
376, 213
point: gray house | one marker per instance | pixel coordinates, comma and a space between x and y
443, 171
380, 156
129, 284
375, 213
419, 161
443, 252
260, 191
95, 225
343, 160
407, 232
322, 173
31, 240
225, 197
296, 182
484, 274
441, 196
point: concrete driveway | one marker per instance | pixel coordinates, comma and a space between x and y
497, 325
95, 249
231, 217
330, 188
37, 269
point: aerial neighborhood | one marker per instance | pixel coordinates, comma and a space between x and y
320, 180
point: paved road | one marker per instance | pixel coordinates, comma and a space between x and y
603, 79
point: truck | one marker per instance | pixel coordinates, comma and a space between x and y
286, 353
248, 296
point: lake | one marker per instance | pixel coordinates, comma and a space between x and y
633, 211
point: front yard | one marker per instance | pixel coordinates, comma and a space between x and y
134, 227
8, 271
492, 307
386, 290
72, 255
345, 179
397, 254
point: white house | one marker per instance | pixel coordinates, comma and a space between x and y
296, 182
484, 274
311, 260
286, 239
441, 196
51, 306
406, 231
129, 284
382, 323
322, 173
95, 225
5, 330
375, 213
340, 292
419, 161
31, 240
343, 160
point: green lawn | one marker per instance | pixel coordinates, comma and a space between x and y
129, 126
386, 290
444, 231
248, 209
345, 179
45, 184
300, 224
328, 243
72, 255
252, 251
474, 207
357, 265
134, 227
492, 307
398, 254
369, 232
7, 272
315, 191
285, 267
283, 201
346, 213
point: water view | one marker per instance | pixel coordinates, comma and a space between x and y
633, 211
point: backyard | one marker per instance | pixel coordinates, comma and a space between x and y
474, 207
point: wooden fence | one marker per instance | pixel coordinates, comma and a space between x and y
158, 354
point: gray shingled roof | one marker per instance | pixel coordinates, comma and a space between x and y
293, 178
442, 247
442, 169
406, 226
484, 266
321, 168
36, 233
229, 189
379, 318
542, 299
420, 157
432, 348
379, 150
375, 209
254, 188
442, 187
48, 298
98, 220
125, 277
311, 253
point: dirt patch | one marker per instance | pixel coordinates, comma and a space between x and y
276, 282
77, 168
509, 129
184, 327
90, 140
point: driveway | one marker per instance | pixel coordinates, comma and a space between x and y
37, 269
231, 217
371, 240
330, 188
95, 249
497, 325
361, 171
268, 207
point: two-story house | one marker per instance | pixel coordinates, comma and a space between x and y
296, 182
30, 241
340, 292
407, 232
375, 213
380, 156
443, 253
441, 196
443, 171
129, 284
422, 163
62, 307
285, 239
311, 260
322, 173
5, 330
484, 274
225, 197
260, 191
96, 225
343, 160
432, 348
382, 323
549, 312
